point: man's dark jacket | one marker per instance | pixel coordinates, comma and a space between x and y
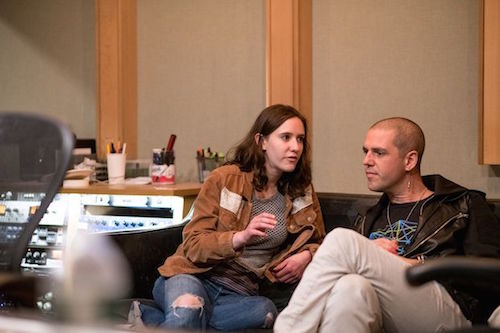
454, 221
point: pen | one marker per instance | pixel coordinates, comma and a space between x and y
171, 142
203, 159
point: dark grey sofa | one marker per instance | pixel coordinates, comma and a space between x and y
146, 251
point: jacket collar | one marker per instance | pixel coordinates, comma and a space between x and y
436, 183
443, 189
247, 191
442, 186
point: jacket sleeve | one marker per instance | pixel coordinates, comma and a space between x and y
482, 234
203, 241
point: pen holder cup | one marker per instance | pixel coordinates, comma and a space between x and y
205, 166
163, 167
116, 168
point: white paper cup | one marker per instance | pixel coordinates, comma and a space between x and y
116, 168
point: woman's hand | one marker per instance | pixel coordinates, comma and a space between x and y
291, 269
256, 228
390, 245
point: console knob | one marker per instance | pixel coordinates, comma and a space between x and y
47, 306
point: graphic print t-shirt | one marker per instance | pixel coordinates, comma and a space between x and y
398, 228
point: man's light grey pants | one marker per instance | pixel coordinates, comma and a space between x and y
351, 285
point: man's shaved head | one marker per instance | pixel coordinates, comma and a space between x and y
409, 136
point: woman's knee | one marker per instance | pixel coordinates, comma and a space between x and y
188, 300
183, 290
269, 312
269, 305
183, 300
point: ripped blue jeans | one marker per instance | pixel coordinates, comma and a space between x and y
188, 302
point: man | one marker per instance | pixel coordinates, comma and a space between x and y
356, 281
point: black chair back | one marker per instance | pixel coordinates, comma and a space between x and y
34, 155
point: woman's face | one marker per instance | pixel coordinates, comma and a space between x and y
283, 147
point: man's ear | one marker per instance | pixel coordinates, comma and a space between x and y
411, 160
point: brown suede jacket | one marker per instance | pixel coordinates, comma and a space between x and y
223, 208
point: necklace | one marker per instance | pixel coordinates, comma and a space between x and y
388, 214
407, 217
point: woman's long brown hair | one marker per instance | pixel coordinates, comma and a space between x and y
249, 156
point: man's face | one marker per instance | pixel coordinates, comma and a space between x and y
384, 167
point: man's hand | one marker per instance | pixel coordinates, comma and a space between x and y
256, 228
390, 245
291, 269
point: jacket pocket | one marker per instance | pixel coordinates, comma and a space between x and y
230, 201
227, 220
305, 217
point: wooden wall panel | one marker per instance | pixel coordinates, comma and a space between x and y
489, 115
288, 65
289, 54
116, 74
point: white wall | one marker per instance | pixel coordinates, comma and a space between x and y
47, 60
380, 58
201, 75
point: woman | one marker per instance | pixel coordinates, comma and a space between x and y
257, 216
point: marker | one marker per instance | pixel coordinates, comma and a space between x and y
171, 142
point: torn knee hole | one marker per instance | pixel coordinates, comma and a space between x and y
188, 301
269, 321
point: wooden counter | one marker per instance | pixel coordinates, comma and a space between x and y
182, 189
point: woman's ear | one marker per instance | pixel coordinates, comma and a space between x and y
411, 160
259, 138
